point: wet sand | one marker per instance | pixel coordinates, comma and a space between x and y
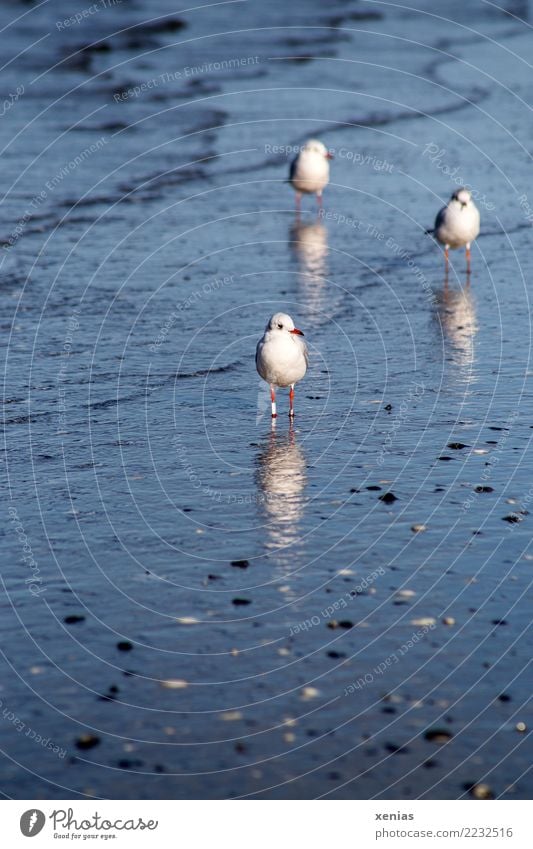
210, 608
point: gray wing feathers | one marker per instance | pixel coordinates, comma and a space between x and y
441, 215
439, 220
292, 169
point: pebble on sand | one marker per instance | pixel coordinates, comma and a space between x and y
521, 726
438, 735
417, 529
481, 791
424, 620
72, 620
174, 684
231, 715
87, 741
187, 620
388, 498
344, 624
309, 693
448, 620
124, 645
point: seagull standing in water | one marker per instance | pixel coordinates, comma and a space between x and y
281, 357
457, 224
309, 172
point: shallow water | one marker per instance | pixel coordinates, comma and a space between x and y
297, 619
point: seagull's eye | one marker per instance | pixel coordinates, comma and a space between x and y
280, 326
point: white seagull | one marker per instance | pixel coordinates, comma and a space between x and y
309, 172
281, 357
457, 223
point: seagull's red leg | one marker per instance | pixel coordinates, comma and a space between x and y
273, 400
291, 401
468, 257
446, 256
319, 199
298, 204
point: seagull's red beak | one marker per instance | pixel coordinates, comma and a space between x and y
298, 332
329, 155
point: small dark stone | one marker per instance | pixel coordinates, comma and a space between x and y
335, 655
99, 47
161, 26
355, 490
388, 498
87, 741
512, 518
239, 602
456, 446
159, 768
483, 489
388, 407
438, 735
124, 645
499, 622
345, 623
213, 577
392, 747
240, 564
373, 488
71, 620
444, 457
334, 776
240, 747
504, 697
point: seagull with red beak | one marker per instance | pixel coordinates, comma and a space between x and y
310, 171
281, 357
457, 224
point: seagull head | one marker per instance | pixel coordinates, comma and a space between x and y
315, 146
462, 196
283, 323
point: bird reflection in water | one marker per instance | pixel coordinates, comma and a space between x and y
309, 246
457, 315
281, 479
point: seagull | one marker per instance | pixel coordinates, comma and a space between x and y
281, 357
457, 224
309, 171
